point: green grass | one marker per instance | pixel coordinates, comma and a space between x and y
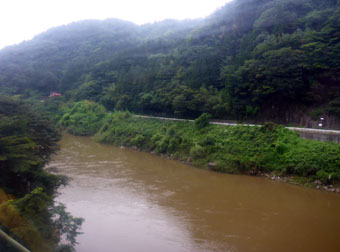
233, 149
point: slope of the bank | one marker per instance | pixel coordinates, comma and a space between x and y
231, 149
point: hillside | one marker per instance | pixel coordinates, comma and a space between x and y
255, 60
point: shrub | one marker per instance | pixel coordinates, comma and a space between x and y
138, 140
197, 152
84, 118
162, 145
202, 121
327, 177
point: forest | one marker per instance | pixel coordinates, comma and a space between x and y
280, 63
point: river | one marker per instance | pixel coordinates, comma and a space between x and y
135, 201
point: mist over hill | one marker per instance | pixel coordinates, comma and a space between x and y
250, 60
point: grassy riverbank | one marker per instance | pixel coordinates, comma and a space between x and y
230, 149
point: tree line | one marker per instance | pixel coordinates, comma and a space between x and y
250, 59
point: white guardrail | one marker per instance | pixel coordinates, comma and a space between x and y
306, 130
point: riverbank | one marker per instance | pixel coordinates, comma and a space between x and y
274, 176
270, 150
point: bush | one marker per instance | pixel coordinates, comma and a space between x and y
202, 121
84, 118
327, 177
138, 140
197, 152
162, 145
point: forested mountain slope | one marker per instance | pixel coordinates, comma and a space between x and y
251, 59
55, 59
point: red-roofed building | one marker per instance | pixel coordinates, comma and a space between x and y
54, 94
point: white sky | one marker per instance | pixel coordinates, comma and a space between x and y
22, 19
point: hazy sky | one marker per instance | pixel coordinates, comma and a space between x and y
22, 19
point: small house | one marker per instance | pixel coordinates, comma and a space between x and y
54, 94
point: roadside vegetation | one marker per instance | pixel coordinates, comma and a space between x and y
231, 149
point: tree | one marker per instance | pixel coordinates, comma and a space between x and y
202, 121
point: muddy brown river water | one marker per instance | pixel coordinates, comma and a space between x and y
139, 202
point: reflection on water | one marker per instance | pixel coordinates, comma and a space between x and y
134, 201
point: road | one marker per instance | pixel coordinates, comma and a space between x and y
304, 130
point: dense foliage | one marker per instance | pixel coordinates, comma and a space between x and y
251, 59
27, 140
84, 118
231, 149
